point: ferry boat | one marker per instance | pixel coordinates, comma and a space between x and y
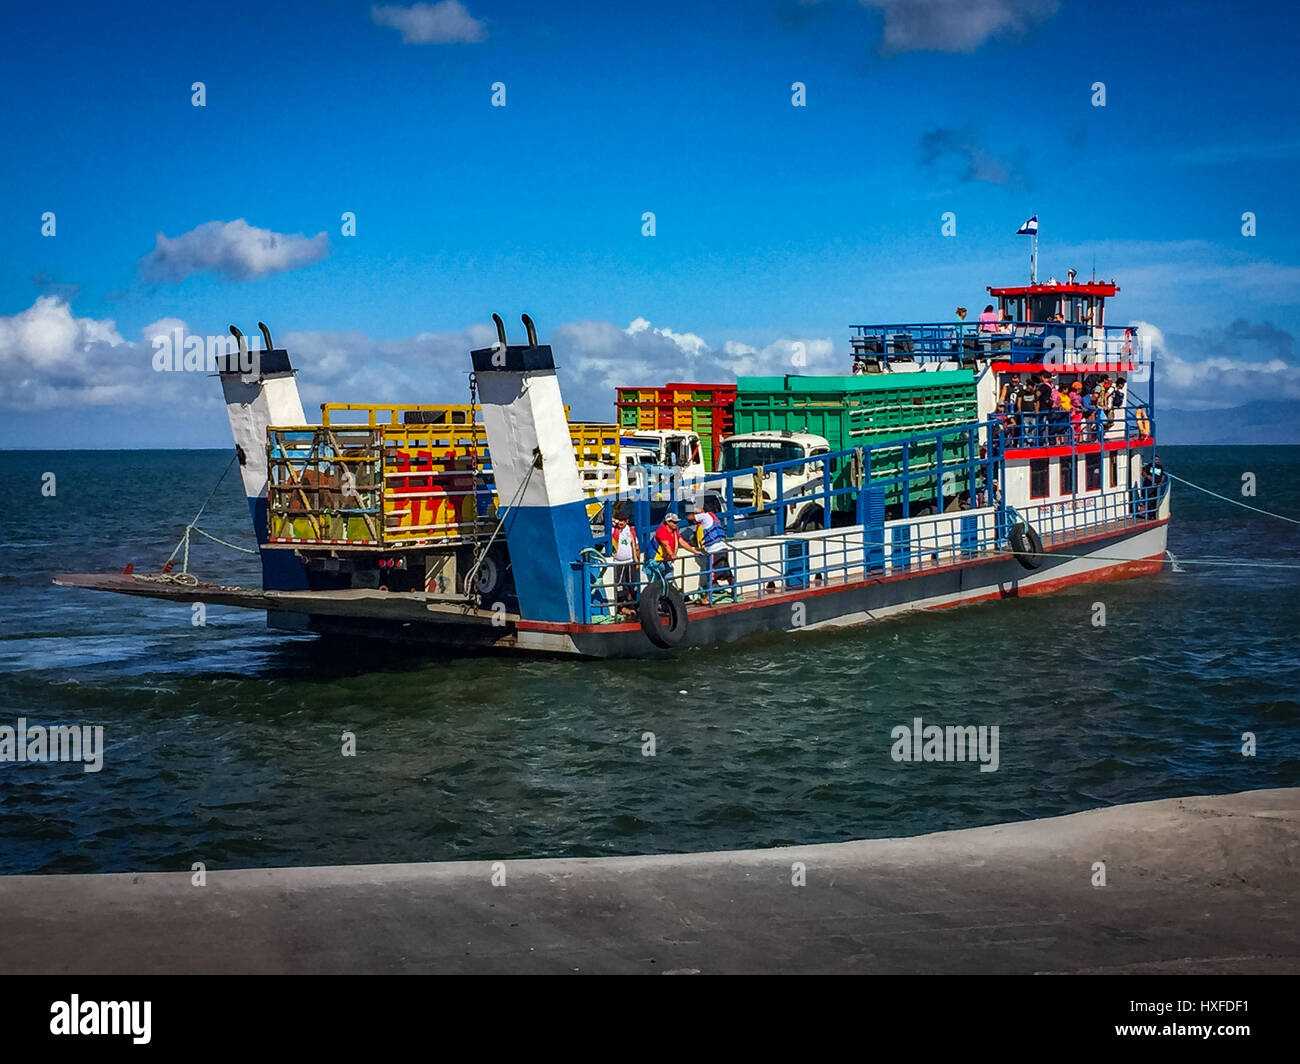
943, 469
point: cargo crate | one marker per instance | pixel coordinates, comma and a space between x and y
866, 411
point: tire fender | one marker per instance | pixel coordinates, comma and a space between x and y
662, 613
1027, 546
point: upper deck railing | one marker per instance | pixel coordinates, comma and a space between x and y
1023, 343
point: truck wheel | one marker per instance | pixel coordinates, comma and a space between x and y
494, 581
811, 519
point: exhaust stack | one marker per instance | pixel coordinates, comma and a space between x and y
268, 395
536, 474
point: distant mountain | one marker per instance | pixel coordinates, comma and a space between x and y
1263, 421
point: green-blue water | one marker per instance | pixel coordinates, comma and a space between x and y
223, 742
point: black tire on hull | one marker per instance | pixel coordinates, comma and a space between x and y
662, 613
1027, 546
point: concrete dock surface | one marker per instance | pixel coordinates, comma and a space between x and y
1192, 885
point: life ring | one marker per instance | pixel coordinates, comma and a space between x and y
1026, 545
1143, 423
662, 613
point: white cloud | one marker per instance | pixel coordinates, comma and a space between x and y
235, 250
49, 358
446, 22
596, 357
1217, 369
955, 25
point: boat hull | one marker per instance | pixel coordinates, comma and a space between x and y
1131, 552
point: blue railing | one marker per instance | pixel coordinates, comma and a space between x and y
1022, 430
1024, 342
953, 469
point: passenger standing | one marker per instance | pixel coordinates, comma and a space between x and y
715, 554
626, 553
1076, 412
668, 540
959, 329
988, 320
1043, 410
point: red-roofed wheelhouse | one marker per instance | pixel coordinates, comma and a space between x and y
1078, 303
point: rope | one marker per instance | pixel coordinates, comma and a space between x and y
242, 550
1235, 502
508, 513
1181, 560
194, 527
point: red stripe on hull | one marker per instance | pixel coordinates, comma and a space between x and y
1122, 571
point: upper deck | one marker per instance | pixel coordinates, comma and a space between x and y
1016, 346
1029, 328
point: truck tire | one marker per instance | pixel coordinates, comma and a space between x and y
494, 581
662, 613
811, 519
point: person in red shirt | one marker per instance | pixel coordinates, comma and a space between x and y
668, 540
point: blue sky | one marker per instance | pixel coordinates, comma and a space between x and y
774, 224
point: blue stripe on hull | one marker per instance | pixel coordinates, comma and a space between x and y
281, 569
544, 541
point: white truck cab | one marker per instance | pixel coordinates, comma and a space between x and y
662, 450
767, 448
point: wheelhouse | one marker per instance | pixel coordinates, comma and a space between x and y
1077, 304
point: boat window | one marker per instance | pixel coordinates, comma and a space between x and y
1078, 310
743, 454
1092, 472
1038, 479
1067, 474
1043, 308
1014, 306
1114, 470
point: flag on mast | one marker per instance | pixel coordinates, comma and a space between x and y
1030, 228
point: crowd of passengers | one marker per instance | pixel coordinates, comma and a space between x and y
1039, 411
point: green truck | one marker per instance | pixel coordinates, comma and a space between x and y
869, 410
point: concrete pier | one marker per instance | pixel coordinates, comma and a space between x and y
1192, 885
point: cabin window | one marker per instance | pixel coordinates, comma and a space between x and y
1079, 310
1013, 307
1038, 478
1092, 472
1044, 308
1067, 474
1114, 469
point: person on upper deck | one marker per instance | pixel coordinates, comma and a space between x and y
988, 320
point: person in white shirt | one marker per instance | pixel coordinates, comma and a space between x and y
626, 575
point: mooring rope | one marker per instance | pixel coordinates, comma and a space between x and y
1235, 502
193, 527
